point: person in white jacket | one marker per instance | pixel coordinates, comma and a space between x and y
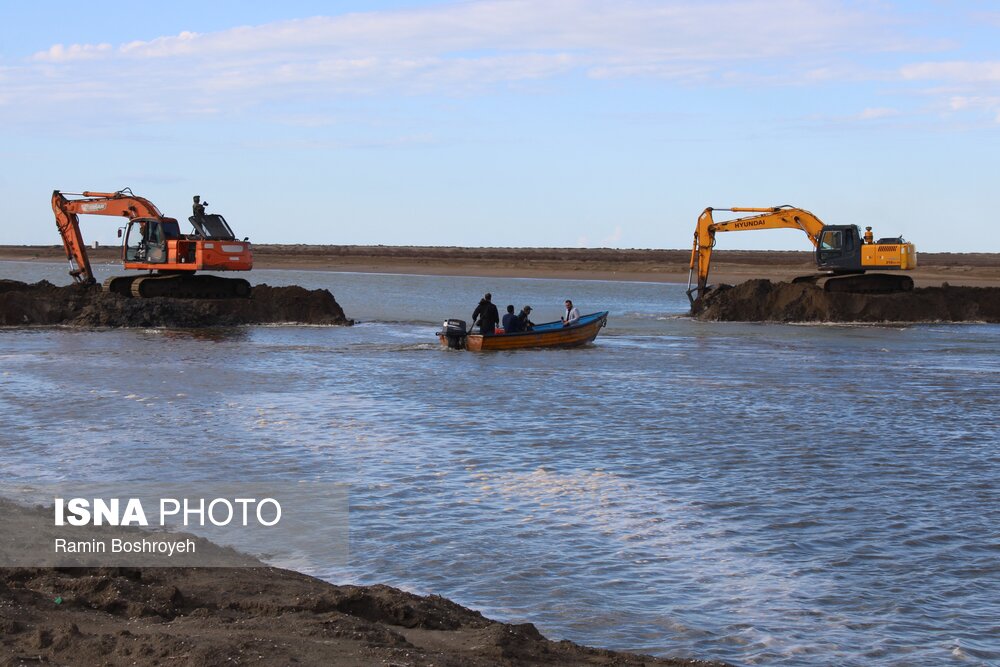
571, 315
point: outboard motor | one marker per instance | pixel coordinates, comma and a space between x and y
455, 332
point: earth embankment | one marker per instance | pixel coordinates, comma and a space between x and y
42, 304
766, 301
260, 616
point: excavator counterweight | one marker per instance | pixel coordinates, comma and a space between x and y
154, 243
843, 255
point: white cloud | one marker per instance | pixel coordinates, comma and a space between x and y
650, 31
960, 86
58, 53
456, 49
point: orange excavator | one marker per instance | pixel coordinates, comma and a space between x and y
843, 255
154, 243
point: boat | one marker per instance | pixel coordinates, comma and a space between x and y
550, 334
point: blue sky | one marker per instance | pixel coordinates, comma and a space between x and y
508, 122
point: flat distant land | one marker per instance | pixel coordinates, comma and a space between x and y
728, 266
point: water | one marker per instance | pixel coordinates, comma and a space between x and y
762, 494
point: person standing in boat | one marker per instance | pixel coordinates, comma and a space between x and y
571, 315
510, 323
487, 315
523, 323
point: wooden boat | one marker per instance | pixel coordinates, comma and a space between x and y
550, 334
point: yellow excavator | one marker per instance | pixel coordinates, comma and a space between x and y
843, 255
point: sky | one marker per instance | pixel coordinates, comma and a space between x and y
570, 123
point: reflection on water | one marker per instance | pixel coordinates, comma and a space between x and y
761, 494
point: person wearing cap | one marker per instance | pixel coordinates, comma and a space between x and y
571, 315
510, 323
487, 315
523, 323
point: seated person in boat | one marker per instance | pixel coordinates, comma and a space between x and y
523, 323
572, 314
510, 321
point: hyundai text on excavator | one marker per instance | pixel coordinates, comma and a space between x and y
842, 254
154, 243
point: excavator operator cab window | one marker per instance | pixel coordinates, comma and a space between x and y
145, 241
135, 242
830, 240
834, 245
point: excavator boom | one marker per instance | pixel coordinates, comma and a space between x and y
67, 212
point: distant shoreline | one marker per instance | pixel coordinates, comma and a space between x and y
661, 266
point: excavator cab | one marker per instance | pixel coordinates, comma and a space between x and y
839, 249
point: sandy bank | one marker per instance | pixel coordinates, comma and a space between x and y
728, 266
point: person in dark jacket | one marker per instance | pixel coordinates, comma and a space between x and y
487, 315
198, 208
510, 321
523, 323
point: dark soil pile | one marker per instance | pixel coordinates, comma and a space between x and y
42, 303
260, 616
765, 301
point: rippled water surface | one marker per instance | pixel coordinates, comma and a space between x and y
762, 494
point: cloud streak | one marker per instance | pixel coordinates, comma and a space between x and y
470, 47
452, 49
960, 86
651, 31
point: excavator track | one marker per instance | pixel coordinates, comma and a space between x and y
869, 283
190, 287
860, 283
121, 285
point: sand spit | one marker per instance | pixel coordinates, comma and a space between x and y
766, 301
260, 616
728, 266
42, 303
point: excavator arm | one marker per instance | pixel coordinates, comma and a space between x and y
67, 212
776, 217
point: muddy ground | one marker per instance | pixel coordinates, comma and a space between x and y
259, 616
42, 303
766, 301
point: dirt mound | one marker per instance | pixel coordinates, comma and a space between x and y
264, 616
42, 303
765, 301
